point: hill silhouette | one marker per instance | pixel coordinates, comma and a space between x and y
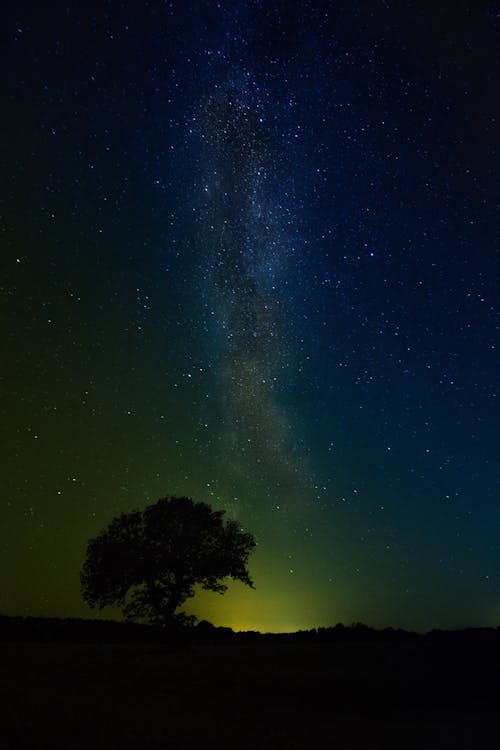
79, 630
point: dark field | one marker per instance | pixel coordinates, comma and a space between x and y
413, 695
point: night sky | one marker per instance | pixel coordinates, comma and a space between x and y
248, 256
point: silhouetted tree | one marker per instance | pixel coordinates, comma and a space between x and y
148, 562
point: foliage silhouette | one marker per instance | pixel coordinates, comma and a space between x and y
148, 562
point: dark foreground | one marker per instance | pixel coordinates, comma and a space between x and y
260, 695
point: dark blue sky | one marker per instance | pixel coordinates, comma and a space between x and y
249, 256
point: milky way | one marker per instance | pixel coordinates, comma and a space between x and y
248, 259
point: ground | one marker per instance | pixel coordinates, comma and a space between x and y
261, 695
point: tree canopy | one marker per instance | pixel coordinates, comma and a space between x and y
148, 562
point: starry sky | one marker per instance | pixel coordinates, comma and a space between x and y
248, 256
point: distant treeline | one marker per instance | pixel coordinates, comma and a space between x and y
55, 629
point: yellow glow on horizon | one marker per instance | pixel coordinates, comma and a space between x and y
238, 628
270, 608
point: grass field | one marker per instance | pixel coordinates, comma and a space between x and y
377, 696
